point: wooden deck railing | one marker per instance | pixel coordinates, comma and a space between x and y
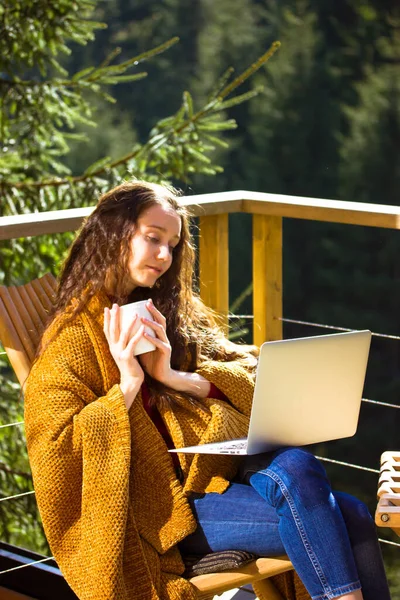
268, 211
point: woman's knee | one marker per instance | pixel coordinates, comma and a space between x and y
298, 464
296, 473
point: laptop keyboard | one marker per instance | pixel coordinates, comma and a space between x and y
233, 447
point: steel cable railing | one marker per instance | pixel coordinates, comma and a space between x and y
12, 424
17, 496
337, 328
27, 564
319, 325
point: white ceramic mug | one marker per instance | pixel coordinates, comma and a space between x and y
127, 313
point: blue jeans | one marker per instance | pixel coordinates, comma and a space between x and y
289, 508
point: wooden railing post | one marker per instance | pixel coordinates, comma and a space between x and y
214, 263
267, 278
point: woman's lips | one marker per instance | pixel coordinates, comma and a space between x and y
154, 269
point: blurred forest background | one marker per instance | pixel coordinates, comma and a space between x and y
326, 125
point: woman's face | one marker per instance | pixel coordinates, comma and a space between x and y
157, 233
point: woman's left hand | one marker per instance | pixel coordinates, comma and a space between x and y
157, 363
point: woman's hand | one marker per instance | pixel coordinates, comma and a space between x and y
157, 363
122, 344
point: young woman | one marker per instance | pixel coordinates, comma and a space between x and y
117, 508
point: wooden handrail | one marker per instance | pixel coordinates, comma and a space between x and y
296, 207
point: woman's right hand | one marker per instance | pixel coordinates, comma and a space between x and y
122, 344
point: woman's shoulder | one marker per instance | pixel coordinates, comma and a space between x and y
63, 329
70, 326
66, 363
64, 345
70, 340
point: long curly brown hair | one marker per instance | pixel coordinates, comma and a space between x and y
101, 252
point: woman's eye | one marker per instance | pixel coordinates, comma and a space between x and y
153, 239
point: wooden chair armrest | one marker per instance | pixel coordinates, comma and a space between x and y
388, 509
217, 583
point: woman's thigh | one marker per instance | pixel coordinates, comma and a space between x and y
238, 519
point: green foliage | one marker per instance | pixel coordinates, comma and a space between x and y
34, 110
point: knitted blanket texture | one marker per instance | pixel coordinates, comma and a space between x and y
112, 507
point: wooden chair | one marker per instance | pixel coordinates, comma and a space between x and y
23, 314
388, 509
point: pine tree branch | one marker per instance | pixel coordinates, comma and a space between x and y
250, 71
211, 106
238, 81
79, 178
95, 74
57, 83
117, 163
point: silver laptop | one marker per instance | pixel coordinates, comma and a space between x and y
307, 390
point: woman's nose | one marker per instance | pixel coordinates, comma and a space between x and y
163, 252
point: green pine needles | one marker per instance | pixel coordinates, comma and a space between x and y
41, 104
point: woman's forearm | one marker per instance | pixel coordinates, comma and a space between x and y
191, 383
129, 388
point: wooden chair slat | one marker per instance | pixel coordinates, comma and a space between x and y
15, 316
41, 289
11, 341
49, 288
33, 313
23, 313
50, 281
22, 309
30, 290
